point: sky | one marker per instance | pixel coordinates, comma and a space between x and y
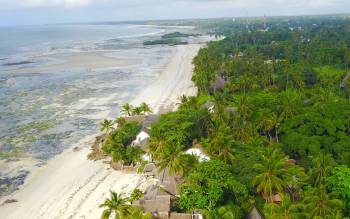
28, 12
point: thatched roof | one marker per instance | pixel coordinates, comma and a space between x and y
150, 167
219, 84
168, 183
137, 118
208, 105
342, 84
160, 204
230, 110
149, 120
255, 214
174, 215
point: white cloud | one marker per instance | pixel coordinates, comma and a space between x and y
23, 4
243, 4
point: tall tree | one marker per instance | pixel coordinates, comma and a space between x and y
106, 125
127, 109
145, 108
117, 205
271, 169
320, 205
322, 166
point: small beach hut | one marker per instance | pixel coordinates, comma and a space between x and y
219, 84
149, 120
255, 214
209, 106
141, 139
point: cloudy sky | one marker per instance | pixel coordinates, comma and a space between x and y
19, 12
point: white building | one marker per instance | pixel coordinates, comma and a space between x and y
141, 139
198, 153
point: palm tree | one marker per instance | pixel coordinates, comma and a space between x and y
137, 111
127, 109
295, 179
106, 125
117, 205
120, 121
269, 182
288, 103
265, 123
286, 210
137, 213
172, 159
322, 166
243, 106
222, 146
320, 205
145, 108
136, 194
183, 99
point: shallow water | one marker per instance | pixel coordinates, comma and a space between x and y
41, 114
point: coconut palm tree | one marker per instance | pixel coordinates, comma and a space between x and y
127, 109
137, 111
137, 213
120, 121
222, 145
244, 108
136, 194
269, 180
106, 125
322, 166
288, 103
116, 205
172, 159
320, 205
285, 210
145, 108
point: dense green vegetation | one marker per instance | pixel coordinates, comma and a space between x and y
121, 207
166, 41
175, 35
172, 39
117, 142
279, 134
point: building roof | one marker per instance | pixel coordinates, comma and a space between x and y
141, 139
342, 84
149, 120
198, 153
160, 204
136, 118
150, 167
219, 84
255, 214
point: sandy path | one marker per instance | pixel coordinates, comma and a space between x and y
70, 186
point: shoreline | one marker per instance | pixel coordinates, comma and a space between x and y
70, 185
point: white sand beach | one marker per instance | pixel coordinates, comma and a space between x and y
69, 185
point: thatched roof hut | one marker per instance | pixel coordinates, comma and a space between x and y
343, 84
136, 118
174, 215
159, 204
149, 121
230, 110
219, 84
255, 214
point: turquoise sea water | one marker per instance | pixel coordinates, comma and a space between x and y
43, 113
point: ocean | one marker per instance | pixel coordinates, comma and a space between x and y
47, 105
